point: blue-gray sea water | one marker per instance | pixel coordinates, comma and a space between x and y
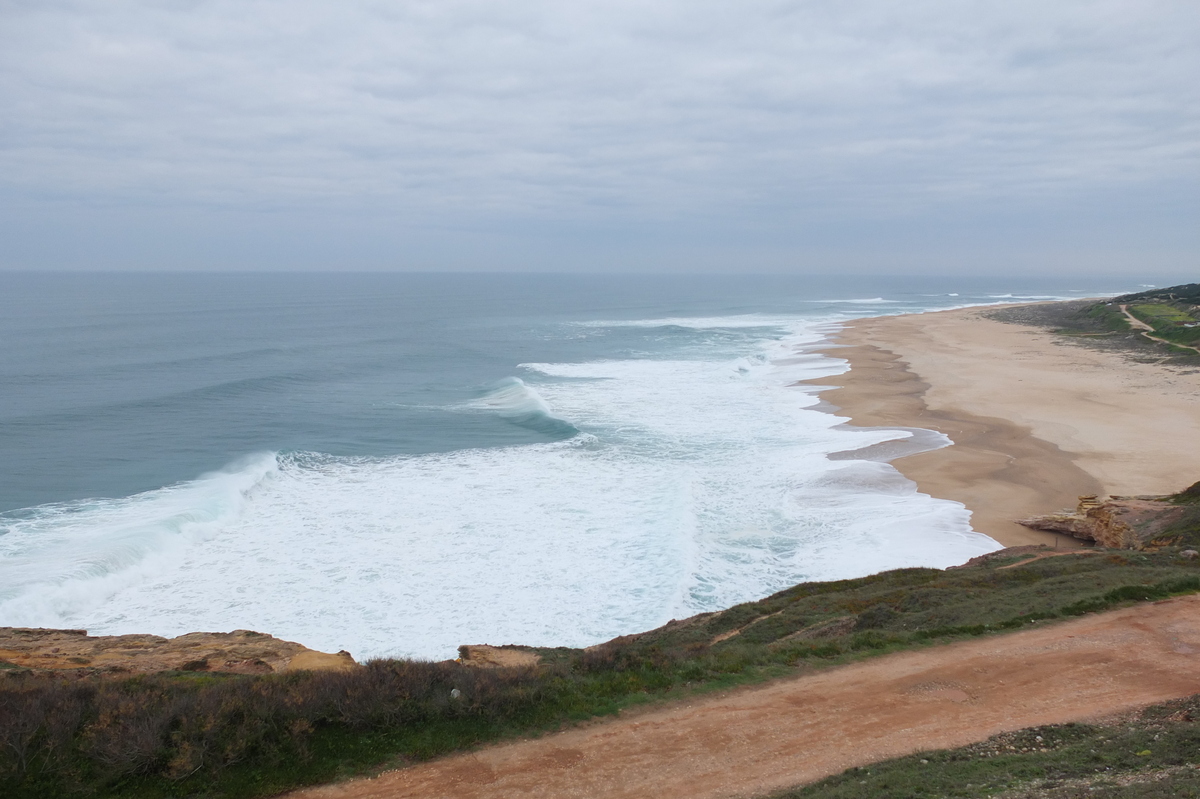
398, 464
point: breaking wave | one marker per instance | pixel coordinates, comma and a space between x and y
514, 401
58, 561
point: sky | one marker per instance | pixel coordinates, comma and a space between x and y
866, 136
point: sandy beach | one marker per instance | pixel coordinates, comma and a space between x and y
1036, 418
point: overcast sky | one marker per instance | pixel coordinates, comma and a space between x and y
758, 135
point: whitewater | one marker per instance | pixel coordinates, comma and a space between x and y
676, 466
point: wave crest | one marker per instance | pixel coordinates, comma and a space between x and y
60, 559
514, 401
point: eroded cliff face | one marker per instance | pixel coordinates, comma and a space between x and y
1116, 522
495, 657
238, 652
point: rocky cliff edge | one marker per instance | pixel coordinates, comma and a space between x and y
238, 652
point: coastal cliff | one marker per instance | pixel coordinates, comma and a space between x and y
238, 652
1128, 522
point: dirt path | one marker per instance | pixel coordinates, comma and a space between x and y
1142, 327
753, 741
1044, 555
1137, 324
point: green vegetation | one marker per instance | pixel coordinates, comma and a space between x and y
1188, 496
187, 734
1173, 312
1151, 756
1160, 313
1188, 293
1174, 322
1108, 316
1184, 531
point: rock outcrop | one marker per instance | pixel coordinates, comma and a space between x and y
495, 657
1117, 522
239, 652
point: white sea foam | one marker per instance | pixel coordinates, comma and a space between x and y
865, 301
511, 398
693, 485
520, 404
739, 321
1029, 297
60, 562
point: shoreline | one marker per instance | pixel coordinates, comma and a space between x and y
1037, 419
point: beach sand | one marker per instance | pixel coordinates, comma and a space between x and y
1037, 419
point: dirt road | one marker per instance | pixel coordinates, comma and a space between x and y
752, 741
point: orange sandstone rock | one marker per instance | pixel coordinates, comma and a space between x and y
493, 657
240, 652
1117, 522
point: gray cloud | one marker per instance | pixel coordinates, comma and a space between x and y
474, 116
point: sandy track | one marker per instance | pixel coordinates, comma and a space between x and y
753, 741
1148, 331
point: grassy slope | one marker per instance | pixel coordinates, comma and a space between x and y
1152, 754
1168, 321
1186, 531
1166, 310
1108, 316
1186, 292
1103, 325
204, 735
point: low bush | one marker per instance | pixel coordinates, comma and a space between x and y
1151, 756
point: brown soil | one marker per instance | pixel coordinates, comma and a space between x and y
753, 741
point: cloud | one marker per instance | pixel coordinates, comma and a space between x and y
468, 113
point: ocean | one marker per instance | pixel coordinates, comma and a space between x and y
396, 464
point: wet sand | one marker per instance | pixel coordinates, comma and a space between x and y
1037, 419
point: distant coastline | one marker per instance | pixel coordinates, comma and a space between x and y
1037, 418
